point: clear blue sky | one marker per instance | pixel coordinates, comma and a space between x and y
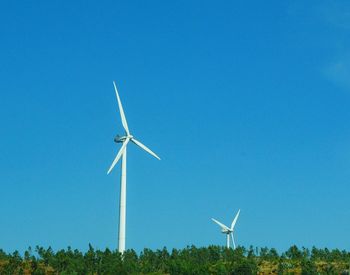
246, 102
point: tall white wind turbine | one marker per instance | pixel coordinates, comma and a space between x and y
228, 230
122, 154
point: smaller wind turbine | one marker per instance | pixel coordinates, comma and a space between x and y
228, 231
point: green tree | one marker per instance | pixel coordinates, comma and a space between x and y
308, 267
294, 253
245, 267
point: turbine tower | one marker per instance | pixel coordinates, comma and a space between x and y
228, 231
122, 154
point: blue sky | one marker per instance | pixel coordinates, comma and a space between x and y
246, 102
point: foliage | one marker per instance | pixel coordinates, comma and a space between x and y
190, 260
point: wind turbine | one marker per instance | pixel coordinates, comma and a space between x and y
125, 139
228, 231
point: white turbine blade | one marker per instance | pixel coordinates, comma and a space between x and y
121, 110
121, 151
235, 220
221, 225
145, 148
233, 241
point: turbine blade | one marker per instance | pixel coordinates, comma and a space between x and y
233, 241
220, 224
121, 110
144, 148
121, 151
235, 219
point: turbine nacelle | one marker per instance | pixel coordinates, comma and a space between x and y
121, 139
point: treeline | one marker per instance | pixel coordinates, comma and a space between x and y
191, 260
